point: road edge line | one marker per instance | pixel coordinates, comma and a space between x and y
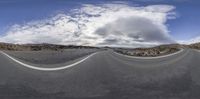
47, 69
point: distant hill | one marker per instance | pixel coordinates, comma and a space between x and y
37, 47
46, 46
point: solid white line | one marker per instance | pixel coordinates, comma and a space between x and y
46, 69
151, 57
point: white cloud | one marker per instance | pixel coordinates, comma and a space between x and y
191, 41
139, 26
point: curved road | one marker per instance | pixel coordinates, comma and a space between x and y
106, 75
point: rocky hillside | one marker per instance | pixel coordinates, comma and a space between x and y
195, 46
7, 46
37, 47
151, 52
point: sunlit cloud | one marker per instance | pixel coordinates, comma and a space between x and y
99, 25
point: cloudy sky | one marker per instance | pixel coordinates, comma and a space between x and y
126, 23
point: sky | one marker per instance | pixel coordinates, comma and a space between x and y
125, 23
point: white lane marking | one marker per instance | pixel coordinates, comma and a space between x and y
151, 57
46, 69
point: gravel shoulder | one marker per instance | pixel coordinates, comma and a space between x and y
50, 57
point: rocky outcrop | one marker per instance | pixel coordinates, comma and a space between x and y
195, 46
154, 51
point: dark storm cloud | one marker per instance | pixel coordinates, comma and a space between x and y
138, 29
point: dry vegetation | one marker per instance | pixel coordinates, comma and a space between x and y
151, 52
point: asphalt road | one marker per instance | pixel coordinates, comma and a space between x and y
106, 75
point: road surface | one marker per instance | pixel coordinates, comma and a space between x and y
106, 75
